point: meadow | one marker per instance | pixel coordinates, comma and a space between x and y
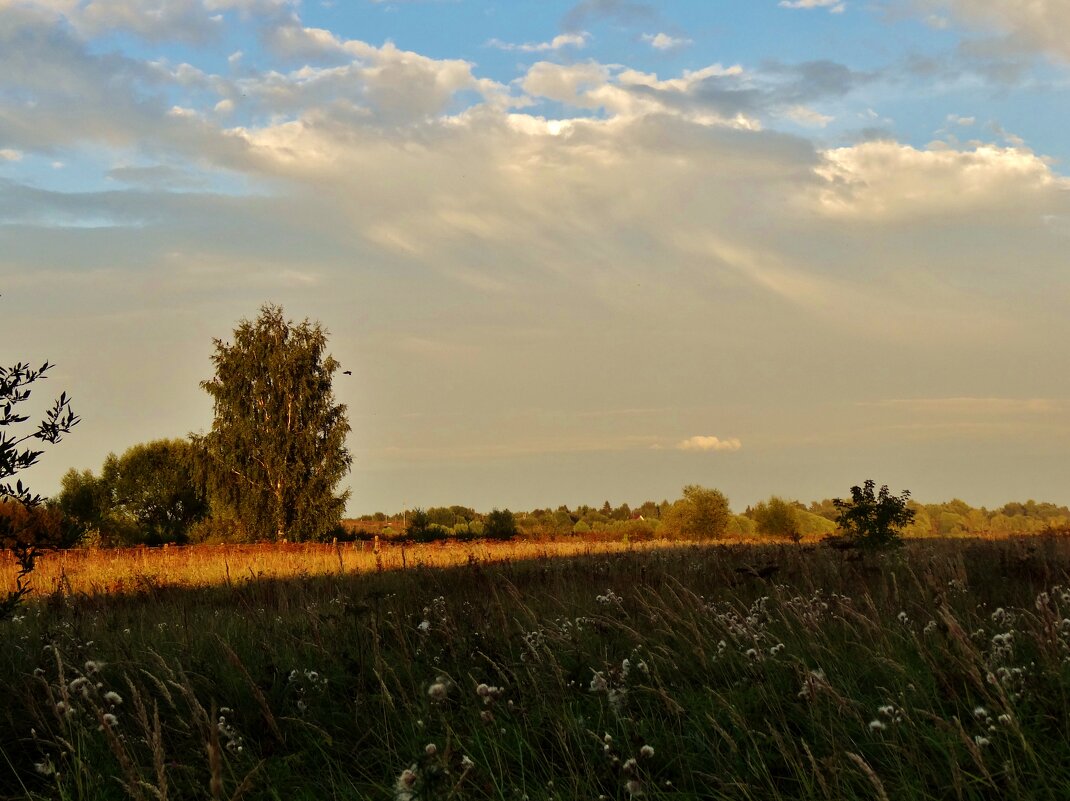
748, 671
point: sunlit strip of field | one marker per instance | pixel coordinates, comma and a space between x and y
95, 571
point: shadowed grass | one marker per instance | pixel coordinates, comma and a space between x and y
940, 671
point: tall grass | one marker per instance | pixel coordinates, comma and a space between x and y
938, 672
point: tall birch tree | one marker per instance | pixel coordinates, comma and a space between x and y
276, 451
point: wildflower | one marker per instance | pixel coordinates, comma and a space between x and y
643, 668
633, 788
598, 683
430, 749
981, 741
1004, 719
903, 618
44, 768
425, 626
980, 712
92, 667
630, 765
467, 763
752, 654
403, 789
113, 698
437, 691
646, 751
78, 684
877, 725
888, 710
110, 721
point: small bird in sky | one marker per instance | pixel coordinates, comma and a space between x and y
347, 372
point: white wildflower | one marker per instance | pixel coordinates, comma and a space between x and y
598, 683
438, 690
113, 698
425, 626
981, 741
646, 751
877, 725
406, 783
430, 749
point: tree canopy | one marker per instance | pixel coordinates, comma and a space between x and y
276, 451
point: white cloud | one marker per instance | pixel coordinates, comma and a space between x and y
577, 40
156, 20
807, 117
834, 6
663, 41
10, 154
1030, 24
707, 443
889, 181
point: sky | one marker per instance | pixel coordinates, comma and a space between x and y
571, 250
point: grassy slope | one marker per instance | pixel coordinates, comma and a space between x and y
744, 688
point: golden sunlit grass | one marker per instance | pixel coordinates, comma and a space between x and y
94, 571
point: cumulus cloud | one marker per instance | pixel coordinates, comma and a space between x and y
663, 41
562, 40
10, 154
708, 443
888, 181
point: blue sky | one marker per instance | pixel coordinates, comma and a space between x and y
571, 250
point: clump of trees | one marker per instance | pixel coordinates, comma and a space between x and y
267, 470
147, 496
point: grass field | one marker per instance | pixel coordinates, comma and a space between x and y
940, 671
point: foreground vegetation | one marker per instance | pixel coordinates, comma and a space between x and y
732, 672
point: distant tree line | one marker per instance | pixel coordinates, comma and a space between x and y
704, 513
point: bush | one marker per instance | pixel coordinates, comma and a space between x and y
500, 525
874, 520
701, 514
777, 518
